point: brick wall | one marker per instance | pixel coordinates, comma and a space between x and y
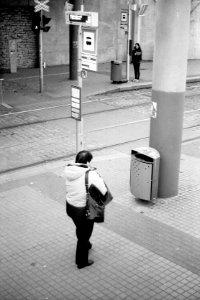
16, 24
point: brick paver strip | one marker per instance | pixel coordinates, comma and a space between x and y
37, 257
157, 237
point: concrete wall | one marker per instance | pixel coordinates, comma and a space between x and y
194, 45
112, 41
56, 41
148, 31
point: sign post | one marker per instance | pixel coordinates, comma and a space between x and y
1, 90
87, 60
128, 43
79, 124
40, 6
41, 59
125, 24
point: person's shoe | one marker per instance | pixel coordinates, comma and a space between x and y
89, 263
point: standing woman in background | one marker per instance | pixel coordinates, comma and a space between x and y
136, 59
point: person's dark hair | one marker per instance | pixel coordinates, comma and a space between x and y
139, 48
83, 157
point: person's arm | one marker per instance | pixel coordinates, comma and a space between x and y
95, 179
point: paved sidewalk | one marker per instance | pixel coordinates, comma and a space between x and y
21, 89
144, 250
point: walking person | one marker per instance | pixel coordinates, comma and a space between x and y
76, 203
136, 59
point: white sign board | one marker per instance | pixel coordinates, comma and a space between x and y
124, 17
76, 102
89, 41
89, 19
89, 62
154, 109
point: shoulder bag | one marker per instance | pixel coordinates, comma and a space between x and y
95, 201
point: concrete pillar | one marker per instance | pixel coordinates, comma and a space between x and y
168, 89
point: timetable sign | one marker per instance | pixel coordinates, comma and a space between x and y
76, 102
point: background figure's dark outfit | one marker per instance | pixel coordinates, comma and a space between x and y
84, 230
136, 59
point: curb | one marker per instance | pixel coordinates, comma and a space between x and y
142, 85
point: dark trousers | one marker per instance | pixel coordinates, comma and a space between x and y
137, 70
84, 230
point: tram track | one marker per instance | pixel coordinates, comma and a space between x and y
29, 116
73, 153
109, 108
68, 116
116, 126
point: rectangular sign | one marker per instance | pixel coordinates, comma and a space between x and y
124, 19
89, 62
81, 18
89, 40
76, 102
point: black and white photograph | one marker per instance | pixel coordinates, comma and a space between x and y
99, 149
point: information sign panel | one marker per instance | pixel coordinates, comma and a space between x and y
89, 40
89, 62
76, 102
81, 18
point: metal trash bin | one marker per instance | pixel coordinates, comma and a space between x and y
144, 173
116, 71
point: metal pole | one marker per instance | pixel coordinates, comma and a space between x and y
73, 43
128, 43
41, 56
139, 29
79, 124
138, 23
1, 80
134, 8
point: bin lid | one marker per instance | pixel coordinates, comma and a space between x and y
145, 158
148, 151
117, 62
